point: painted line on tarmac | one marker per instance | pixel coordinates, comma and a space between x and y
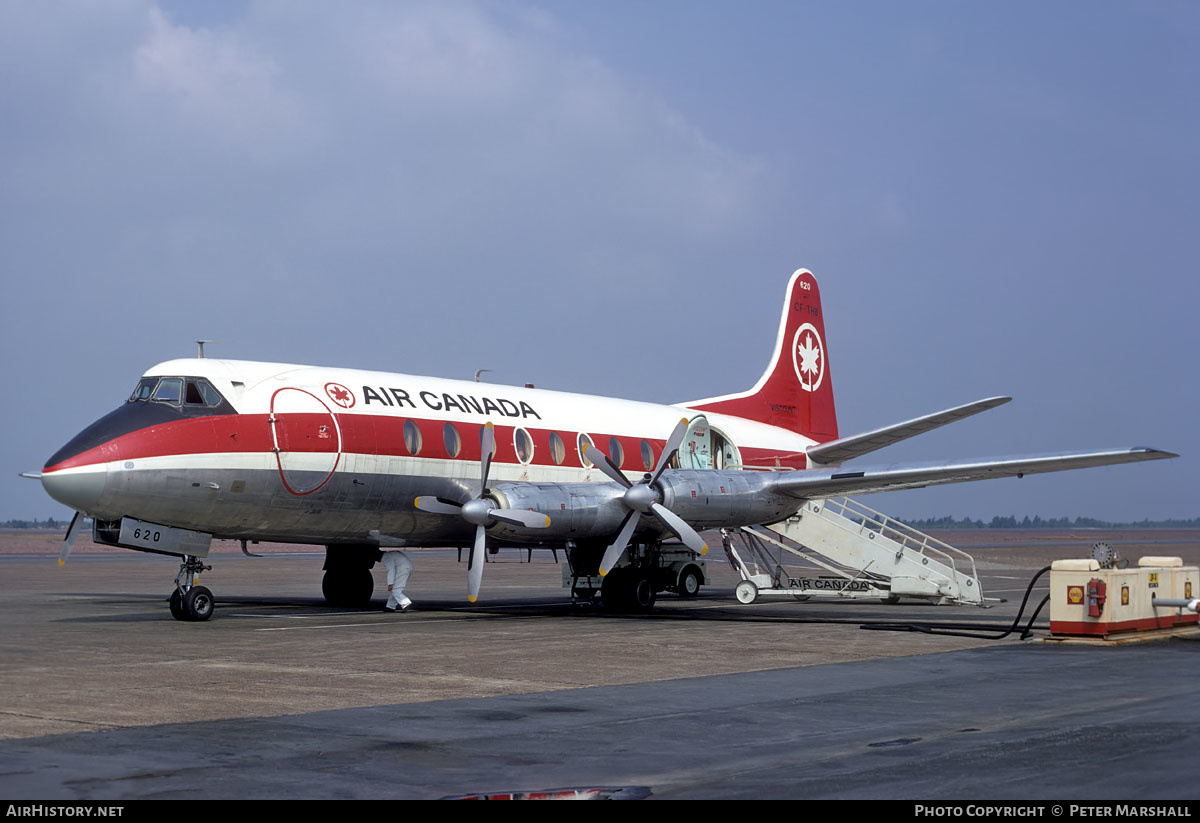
393, 621
291, 616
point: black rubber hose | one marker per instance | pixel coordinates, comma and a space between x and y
929, 628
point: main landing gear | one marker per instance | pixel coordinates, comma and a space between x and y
191, 602
348, 582
628, 589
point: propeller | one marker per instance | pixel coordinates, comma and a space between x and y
72, 536
645, 497
482, 512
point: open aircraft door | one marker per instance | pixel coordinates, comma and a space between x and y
704, 447
307, 440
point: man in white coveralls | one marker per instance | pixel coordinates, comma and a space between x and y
399, 567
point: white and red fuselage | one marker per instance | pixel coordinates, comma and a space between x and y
270, 451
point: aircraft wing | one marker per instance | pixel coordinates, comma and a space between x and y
838, 481
846, 448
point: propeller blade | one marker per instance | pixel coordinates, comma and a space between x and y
521, 517
669, 449
72, 535
475, 566
436, 505
600, 459
682, 530
487, 450
613, 553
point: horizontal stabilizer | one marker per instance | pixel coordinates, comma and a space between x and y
838, 481
836, 452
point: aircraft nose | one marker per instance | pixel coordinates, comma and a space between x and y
79, 490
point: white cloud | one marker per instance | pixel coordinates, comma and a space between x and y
218, 85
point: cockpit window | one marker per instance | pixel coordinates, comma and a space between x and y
201, 393
144, 389
168, 391
191, 391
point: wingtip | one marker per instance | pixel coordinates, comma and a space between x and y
1154, 454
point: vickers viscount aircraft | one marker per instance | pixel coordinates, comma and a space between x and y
358, 461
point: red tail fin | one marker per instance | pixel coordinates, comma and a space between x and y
795, 392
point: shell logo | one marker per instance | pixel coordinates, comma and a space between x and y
1074, 595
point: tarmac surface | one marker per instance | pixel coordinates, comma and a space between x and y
104, 697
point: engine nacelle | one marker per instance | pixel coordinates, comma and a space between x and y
577, 511
710, 499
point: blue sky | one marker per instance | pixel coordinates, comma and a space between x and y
609, 198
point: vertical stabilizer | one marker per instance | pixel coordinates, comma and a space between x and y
796, 391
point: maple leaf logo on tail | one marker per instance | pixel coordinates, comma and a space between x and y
808, 357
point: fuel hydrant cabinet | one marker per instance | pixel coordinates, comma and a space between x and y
1090, 601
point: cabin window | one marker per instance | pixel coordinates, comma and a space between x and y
452, 440
615, 453
523, 444
558, 449
582, 443
647, 455
412, 437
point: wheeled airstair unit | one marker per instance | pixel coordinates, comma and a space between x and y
864, 554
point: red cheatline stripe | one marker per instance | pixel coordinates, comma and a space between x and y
362, 434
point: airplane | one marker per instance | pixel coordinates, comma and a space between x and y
360, 461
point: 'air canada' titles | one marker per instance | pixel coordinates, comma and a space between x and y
444, 401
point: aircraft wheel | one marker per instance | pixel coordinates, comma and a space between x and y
642, 595
746, 592
177, 606
197, 604
801, 597
890, 600
614, 591
689, 582
348, 588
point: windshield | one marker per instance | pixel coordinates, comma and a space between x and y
191, 391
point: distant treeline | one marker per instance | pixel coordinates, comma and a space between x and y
1012, 522
48, 523
948, 522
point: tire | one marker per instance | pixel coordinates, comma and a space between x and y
746, 592
177, 606
614, 591
689, 582
642, 595
198, 604
348, 588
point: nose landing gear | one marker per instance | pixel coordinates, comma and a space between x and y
191, 602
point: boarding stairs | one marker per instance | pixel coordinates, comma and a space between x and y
865, 553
